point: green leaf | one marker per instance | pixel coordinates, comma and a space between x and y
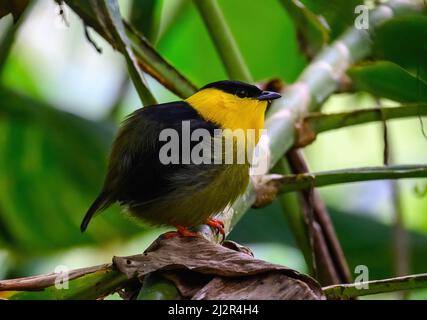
388, 80
51, 168
338, 14
145, 17
312, 34
403, 41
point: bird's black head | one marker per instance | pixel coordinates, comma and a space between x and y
242, 90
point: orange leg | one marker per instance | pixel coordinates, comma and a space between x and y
218, 225
181, 231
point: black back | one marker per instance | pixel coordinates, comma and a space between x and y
136, 174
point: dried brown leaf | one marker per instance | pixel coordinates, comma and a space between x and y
203, 270
267, 286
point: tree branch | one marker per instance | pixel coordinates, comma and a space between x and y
316, 123
86, 283
346, 291
269, 186
303, 181
318, 81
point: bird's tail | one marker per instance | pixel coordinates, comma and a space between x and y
100, 203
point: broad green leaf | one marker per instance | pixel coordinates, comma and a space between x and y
404, 41
312, 34
338, 14
145, 17
51, 168
388, 80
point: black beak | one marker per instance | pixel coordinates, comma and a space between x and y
269, 95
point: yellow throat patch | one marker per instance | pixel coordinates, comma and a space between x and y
229, 111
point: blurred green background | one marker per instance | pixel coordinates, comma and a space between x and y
61, 103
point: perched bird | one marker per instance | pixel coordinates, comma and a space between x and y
183, 194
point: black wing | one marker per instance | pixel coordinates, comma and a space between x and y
135, 173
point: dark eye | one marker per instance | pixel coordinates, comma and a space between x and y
242, 93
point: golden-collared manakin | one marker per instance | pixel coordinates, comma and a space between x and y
164, 173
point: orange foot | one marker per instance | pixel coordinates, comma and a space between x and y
181, 232
218, 225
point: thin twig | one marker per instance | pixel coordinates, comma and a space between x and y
90, 40
316, 123
304, 181
400, 238
62, 13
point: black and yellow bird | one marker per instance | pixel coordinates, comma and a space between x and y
181, 194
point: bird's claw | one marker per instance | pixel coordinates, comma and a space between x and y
218, 226
181, 232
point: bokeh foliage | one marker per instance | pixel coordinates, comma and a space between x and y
52, 161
